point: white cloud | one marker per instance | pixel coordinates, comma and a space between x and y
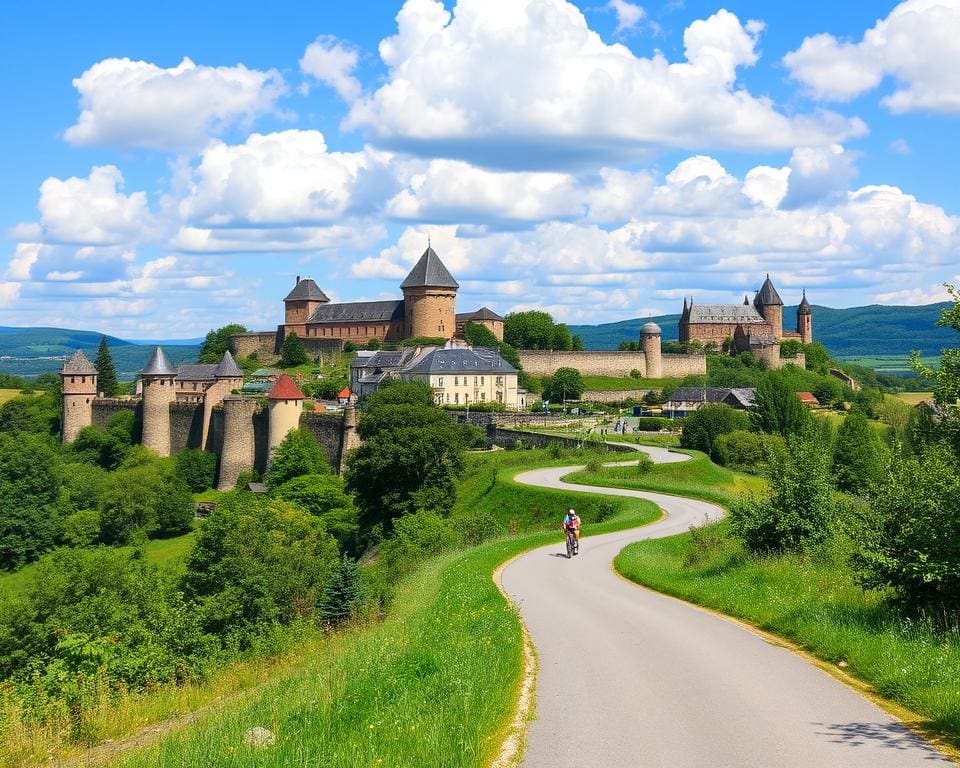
914, 296
93, 210
900, 147
332, 62
527, 84
9, 293
64, 277
915, 45
629, 15
288, 177
24, 257
817, 173
130, 104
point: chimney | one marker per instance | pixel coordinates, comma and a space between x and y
298, 280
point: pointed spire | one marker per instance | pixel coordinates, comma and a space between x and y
227, 368
79, 364
804, 307
158, 365
430, 272
746, 301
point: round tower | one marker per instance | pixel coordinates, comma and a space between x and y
158, 392
650, 342
770, 306
805, 320
78, 379
286, 404
237, 454
430, 298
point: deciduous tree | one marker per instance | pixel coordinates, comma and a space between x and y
292, 352
217, 342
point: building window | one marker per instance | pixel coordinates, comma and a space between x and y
499, 381
440, 381
483, 395
456, 397
456, 381
481, 380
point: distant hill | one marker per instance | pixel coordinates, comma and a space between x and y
32, 351
857, 331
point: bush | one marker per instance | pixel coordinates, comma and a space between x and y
324, 497
742, 449
343, 593
298, 454
654, 423
474, 437
635, 373
81, 529
196, 468
644, 464
292, 352
702, 427
415, 537
143, 501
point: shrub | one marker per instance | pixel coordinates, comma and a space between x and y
859, 455
702, 427
144, 501
415, 537
635, 373
324, 497
292, 352
343, 593
653, 423
741, 449
298, 454
196, 468
644, 464
81, 529
474, 437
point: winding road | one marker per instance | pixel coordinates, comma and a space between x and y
629, 677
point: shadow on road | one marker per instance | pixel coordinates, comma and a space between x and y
891, 735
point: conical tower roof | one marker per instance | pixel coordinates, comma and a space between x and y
306, 290
429, 272
285, 389
158, 365
768, 296
804, 307
227, 368
79, 364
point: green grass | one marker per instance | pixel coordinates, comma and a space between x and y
891, 363
698, 478
912, 398
434, 684
814, 602
173, 550
607, 383
8, 394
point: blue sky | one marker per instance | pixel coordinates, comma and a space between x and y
599, 159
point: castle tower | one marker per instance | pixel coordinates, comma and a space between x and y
78, 379
158, 392
237, 454
227, 377
300, 304
429, 298
286, 405
770, 306
350, 438
650, 342
684, 330
805, 320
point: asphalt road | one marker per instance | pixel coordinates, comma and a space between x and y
629, 677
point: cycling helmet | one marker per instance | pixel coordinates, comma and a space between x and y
571, 512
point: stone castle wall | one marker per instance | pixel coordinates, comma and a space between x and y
266, 345
608, 363
186, 426
613, 395
105, 407
327, 428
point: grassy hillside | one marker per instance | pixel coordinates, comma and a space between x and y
852, 332
31, 351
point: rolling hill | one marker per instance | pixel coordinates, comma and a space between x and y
32, 351
854, 332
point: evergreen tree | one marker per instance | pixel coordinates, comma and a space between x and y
106, 373
292, 352
343, 593
858, 456
777, 409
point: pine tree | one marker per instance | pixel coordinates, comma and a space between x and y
106, 373
343, 592
292, 352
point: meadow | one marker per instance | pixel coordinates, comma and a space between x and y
608, 383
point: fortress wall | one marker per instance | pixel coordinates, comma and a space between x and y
800, 360
261, 439
105, 407
327, 428
320, 346
613, 395
538, 362
186, 426
264, 344
678, 366
507, 438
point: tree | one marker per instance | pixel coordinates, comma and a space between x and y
946, 378
217, 342
796, 510
711, 420
343, 594
292, 352
174, 509
741, 449
790, 348
535, 330
576, 344
565, 384
911, 541
859, 456
39, 414
477, 335
817, 357
325, 497
410, 456
106, 373
777, 410
196, 468
143, 501
298, 454
258, 561
29, 487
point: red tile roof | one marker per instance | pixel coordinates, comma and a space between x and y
285, 389
344, 393
807, 398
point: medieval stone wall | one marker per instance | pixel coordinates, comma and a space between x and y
508, 438
678, 366
613, 395
266, 345
186, 426
539, 362
105, 407
327, 428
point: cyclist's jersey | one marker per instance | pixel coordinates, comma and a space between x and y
571, 521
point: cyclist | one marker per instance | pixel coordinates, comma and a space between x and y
571, 522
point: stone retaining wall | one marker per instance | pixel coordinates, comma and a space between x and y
507, 438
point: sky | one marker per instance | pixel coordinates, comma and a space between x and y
172, 167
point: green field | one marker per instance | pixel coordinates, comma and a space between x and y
8, 394
608, 383
890, 364
912, 398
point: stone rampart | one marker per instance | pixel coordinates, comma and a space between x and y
265, 345
327, 428
612, 395
105, 407
678, 366
799, 360
539, 362
186, 426
508, 438
512, 418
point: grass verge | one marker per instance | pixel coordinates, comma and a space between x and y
814, 602
612, 383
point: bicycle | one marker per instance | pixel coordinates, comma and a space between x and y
573, 546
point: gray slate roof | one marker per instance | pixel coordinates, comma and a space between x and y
79, 364
767, 294
736, 396
158, 365
477, 360
804, 305
650, 328
484, 313
228, 368
196, 371
429, 271
724, 313
358, 311
306, 290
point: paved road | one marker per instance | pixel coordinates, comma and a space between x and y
632, 678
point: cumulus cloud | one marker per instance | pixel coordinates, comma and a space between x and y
629, 15
9, 293
24, 257
332, 62
914, 296
915, 45
92, 210
137, 104
527, 84
817, 173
